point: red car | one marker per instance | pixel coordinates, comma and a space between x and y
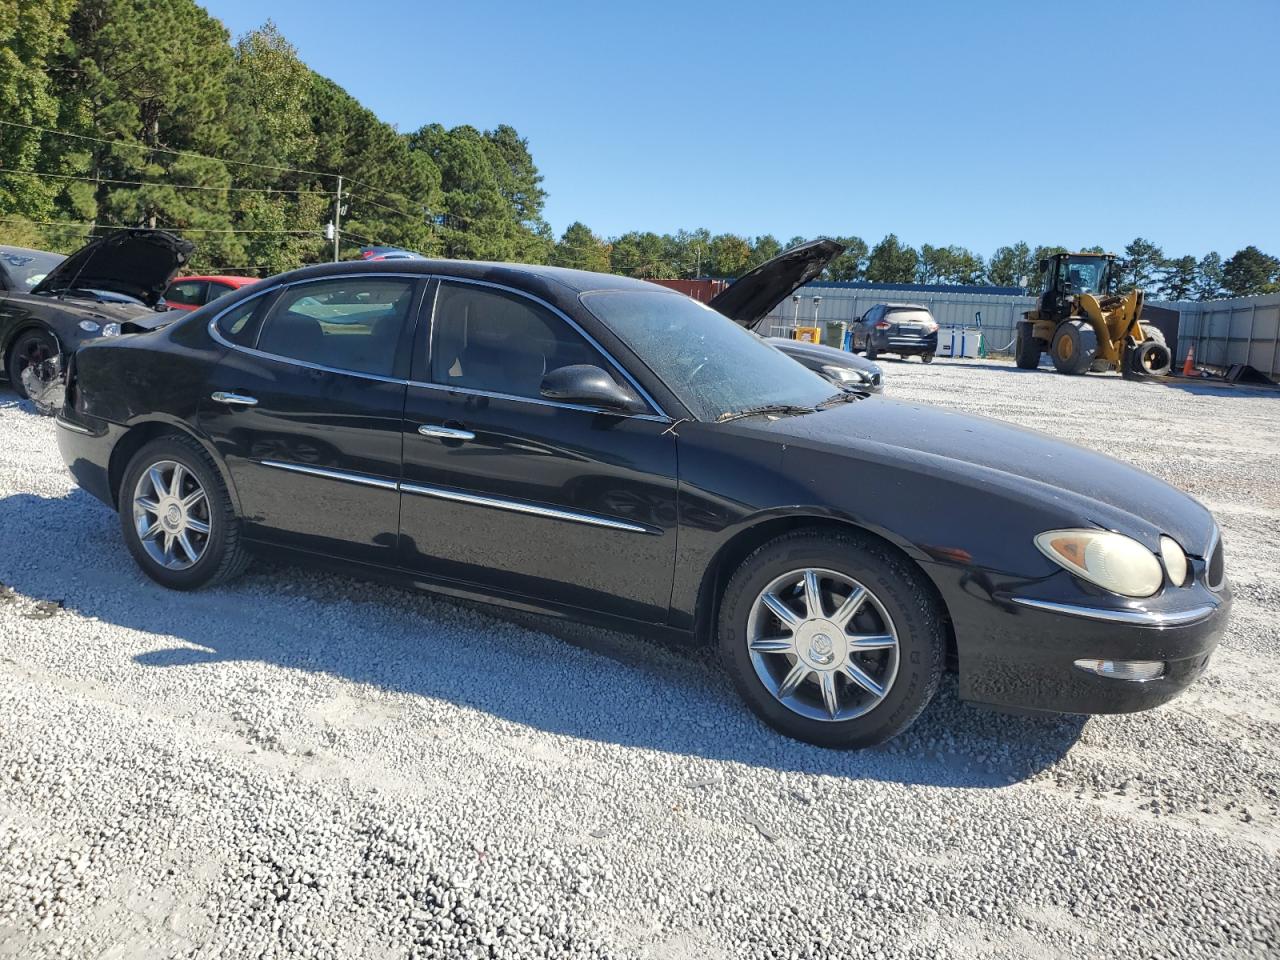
187, 293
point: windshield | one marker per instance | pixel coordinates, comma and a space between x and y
713, 365
1084, 275
26, 268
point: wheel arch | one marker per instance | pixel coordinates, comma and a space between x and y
738, 547
142, 433
24, 326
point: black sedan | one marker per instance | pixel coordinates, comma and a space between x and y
598, 448
50, 304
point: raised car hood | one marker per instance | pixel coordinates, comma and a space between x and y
749, 299
136, 262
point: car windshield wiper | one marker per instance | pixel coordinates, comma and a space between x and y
844, 396
791, 409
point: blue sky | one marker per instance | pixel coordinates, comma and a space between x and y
975, 123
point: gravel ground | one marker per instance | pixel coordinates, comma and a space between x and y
304, 765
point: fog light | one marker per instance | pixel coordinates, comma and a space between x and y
1136, 670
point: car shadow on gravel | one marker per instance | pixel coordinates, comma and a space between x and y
538, 672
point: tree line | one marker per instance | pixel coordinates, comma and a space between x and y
162, 120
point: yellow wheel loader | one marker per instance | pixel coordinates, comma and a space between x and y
1086, 325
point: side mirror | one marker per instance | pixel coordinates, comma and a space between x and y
590, 386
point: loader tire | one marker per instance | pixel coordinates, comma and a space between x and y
1028, 348
1075, 346
1151, 332
1149, 359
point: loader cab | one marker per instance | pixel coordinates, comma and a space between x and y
1065, 276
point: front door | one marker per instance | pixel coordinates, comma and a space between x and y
523, 495
306, 408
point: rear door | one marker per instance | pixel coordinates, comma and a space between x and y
523, 495
306, 408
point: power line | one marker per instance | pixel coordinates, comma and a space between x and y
176, 153
123, 226
154, 183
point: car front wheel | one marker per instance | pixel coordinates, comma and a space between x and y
30, 349
177, 517
833, 639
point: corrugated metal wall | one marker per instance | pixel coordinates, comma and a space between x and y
998, 313
1223, 332
1245, 330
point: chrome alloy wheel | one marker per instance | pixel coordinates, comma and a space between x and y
171, 515
822, 644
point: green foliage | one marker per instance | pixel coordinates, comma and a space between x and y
1178, 278
850, 265
1208, 284
1012, 265
1140, 265
581, 249
892, 262
1251, 272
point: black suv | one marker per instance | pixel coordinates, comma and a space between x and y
906, 329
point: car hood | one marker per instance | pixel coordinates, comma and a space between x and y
1067, 480
749, 299
136, 262
821, 353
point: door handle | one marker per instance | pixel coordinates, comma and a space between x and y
234, 399
445, 433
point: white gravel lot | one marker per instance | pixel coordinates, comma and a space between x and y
299, 764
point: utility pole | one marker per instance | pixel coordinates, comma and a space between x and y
337, 219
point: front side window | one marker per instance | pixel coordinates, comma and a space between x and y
499, 342
714, 366
353, 323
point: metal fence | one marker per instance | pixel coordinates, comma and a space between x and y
1223, 332
996, 314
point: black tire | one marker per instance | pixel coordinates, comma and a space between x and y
870, 352
1151, 332
1028, 347
1074, 348
31, 346
223, 555
1149, 359
926, 358
899, 589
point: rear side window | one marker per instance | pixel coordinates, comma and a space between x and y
486, 339
189, 293
353, 323
240, 325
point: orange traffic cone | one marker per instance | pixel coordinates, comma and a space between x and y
1189, 368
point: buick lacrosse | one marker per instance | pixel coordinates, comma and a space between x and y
605, 449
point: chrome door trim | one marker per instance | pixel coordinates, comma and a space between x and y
1141, 618
235, 399
472, 392
520, 506
653, 404
445, 433
328, 474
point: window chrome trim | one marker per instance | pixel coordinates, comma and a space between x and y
1141, 618
326, 473
582, 408
653, 404
458, 496
520, 506
254, 351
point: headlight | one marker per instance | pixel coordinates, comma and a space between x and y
1112, 561
846, 374
111, 329
89, 326
1175, 561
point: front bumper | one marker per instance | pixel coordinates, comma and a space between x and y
1019, 652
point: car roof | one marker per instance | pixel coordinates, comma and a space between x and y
516, 274
225, 278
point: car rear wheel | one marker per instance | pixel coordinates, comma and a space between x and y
177, 517
833, 639
926, 358
870, 352
31, 348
